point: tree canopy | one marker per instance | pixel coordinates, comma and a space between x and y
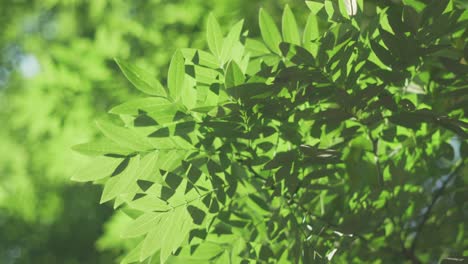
342, 139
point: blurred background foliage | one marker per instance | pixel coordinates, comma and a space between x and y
57, 75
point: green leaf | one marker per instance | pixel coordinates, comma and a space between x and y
120, 184
289, 27
124, 137
176, 76
133, 256
330, 9
142, 225
229, 43
214, 36
101, 147
149, 203
176, 228
200, 57
98, 168
148, 165
141, 79
257, 48
157, 108
206, 75
148, 105
167, 235
269, 31
314, 6
311, 30
234, 75
189, 93
153, 241
169, 160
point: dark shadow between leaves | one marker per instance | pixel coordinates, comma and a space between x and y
121, 167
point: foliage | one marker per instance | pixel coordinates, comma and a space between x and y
347, 141
46, 110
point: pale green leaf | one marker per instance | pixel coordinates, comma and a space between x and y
237, 52
311, 32
169, 160
289, 27
148, 105
148, 165
244, 62
228, 51
142, 225
234, 75
119, 184
127, 196
206, 75
153, 239
330, 9
101, 147
314, 6
141, 79
98, 168
175, 229
170, 143
206, 99
269, 31
134, 255
176, 76
149, 203
189, 93
257, 48
124, 137
200, 57
214, 36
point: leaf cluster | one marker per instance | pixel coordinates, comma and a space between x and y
305, 145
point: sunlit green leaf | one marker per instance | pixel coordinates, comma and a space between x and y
176, 76
269, 31
101, 147
141, 79
124, 137
119, 184
289, 27
214, 36
314, 6
154, 105
142, 225
99, 168
234, 75
229, 43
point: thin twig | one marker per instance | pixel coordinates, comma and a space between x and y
377, 159
438, 193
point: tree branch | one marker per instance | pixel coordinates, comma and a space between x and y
438, 193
